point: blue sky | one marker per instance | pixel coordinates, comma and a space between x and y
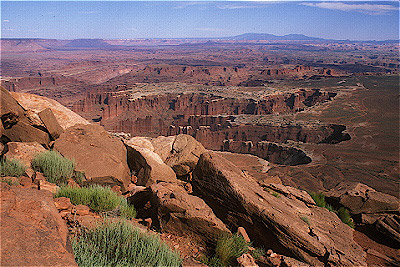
361, 20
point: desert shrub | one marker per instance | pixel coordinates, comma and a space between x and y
305, 219
319, 199
9, 181
276, 194
98, 198
54, 166
78, 177
258, 253
214, 262
230, 247
342, 212
344, 215
126, 210
121, 244
11, 167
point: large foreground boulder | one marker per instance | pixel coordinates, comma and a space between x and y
148, 166
174, 210
180, 152
32, 231
16, 126
65, 117
360, 198
286, 224
100, 156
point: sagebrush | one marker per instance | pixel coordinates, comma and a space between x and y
98, 198
121, 244
11, 167
56, 168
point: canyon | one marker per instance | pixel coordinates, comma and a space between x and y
287, 102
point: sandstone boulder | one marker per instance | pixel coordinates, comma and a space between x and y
24, 152
101, 157
63, 203
148, 166
289, 226
180, 152
174, 210
65, 117
32, 231
360, 198
390, 227
246, 260
253, 165
140, 142
51, 123
15, 124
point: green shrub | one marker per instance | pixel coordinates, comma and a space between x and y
98, 198
126, 210
258, 253
54, 166
344, 215
230, 247
275, 194
121, 244
214, 262
10, 181
319, 199
305, 219
11, 167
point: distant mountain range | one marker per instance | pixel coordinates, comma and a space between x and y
272, 37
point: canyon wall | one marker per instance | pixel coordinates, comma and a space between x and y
212, 120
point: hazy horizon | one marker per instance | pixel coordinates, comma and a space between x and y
339, 20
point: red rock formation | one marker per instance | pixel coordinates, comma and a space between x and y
25, 83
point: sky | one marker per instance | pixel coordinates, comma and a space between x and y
360, 20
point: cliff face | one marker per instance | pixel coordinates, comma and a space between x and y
26, 83
211, 119
220, 75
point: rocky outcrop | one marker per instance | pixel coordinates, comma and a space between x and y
32, 231
390, 227
174, 210
255, 166
16, 126
141, 142
51, 123
273, 152
360, 198
290, 226
24, 152
101, 157
180, 152
65, 117
148, 167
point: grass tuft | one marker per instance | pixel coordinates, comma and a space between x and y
319, 199
344, 215
11, 167
230, 247
98, 198
342, 212
54, 166
305, 219
121, 244
9, 181
258, 253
